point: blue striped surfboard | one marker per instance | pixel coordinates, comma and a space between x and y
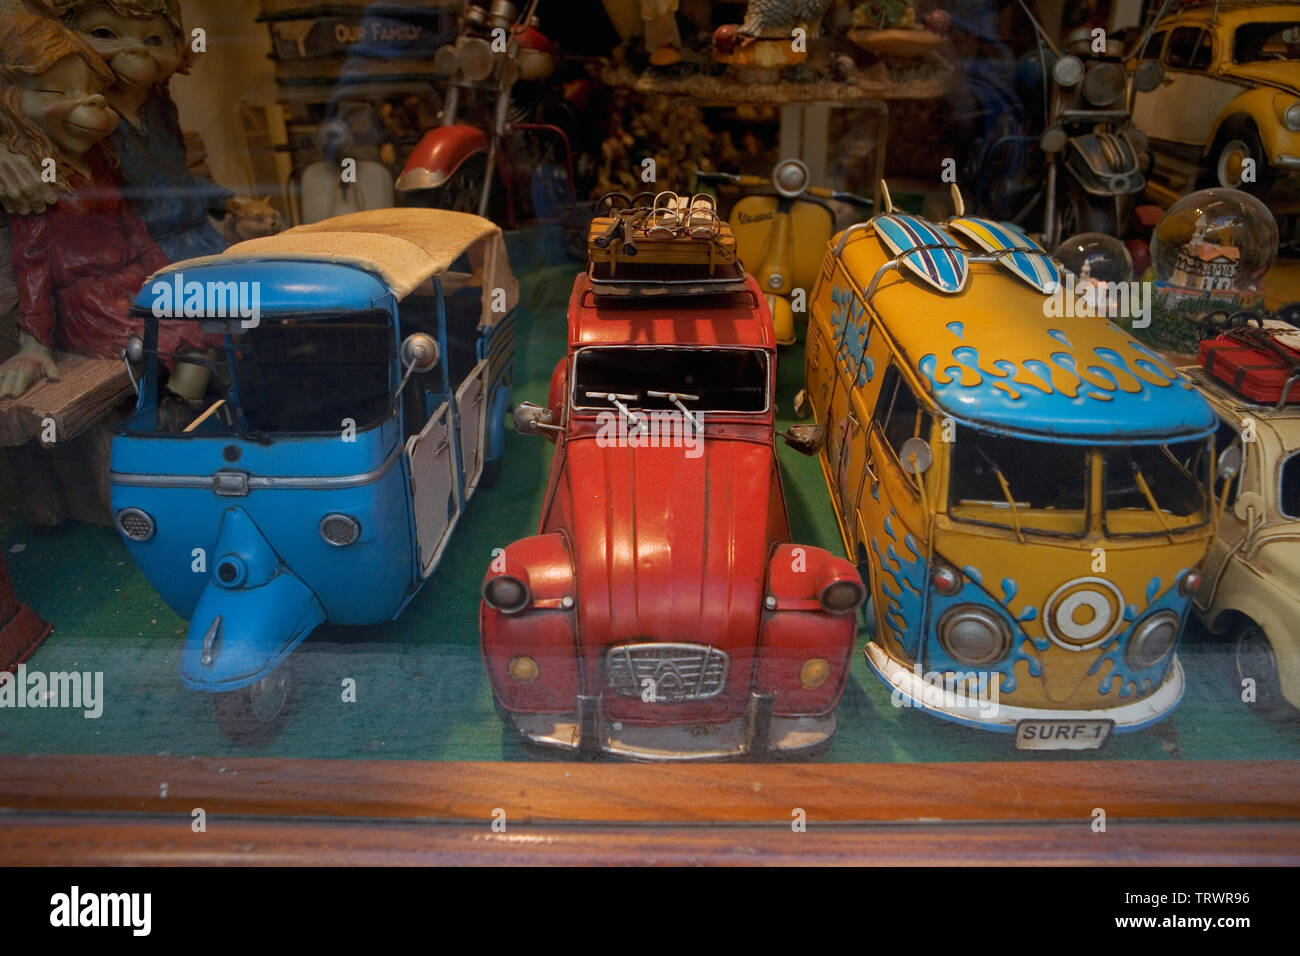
1035, 268
946, 269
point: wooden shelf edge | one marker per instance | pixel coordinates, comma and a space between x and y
609, 793
152, 841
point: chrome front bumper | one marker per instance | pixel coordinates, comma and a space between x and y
912, 689
758, 734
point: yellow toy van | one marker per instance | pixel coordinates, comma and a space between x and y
1028, 496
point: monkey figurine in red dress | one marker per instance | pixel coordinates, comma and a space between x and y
79, 263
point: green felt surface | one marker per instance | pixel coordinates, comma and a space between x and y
421, 690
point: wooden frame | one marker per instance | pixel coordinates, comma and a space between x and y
104, 810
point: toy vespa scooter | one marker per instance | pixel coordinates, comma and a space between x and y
782, 237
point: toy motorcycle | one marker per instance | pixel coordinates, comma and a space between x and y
460, 166
1094, 159
782, 237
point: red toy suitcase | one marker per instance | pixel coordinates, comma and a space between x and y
1254, 363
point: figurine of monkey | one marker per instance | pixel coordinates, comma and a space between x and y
143, 41
78, 264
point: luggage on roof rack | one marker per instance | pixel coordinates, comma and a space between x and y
1260, 361
677, 245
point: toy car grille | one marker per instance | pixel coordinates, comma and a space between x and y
676, 672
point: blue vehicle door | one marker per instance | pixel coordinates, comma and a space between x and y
435, 488
471, 409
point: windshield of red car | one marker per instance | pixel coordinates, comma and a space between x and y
1261, 42
705, 379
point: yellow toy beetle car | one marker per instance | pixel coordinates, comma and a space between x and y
1028, 497
1231, 92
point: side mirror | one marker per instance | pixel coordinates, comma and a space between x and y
1148, 76
420, 352
132, 356
134, 351
1229, 466
530, 418
805, 438
916, 456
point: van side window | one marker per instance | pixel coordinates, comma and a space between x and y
1204, 54
1290, 490
1152, 50
1183, 45
899, 413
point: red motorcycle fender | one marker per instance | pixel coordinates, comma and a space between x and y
439, 153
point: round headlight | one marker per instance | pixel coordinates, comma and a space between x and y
841, 597
506, 593
444, 61
523, 670
1152, 639
974, 635
231, 571
136, 524
790, 178
814, 673
1068, 70
1104, 84
340, 530
475, 59
1139, 140
1053, 139
1149, 75
1291, 117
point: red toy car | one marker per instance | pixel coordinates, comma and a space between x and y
661, 613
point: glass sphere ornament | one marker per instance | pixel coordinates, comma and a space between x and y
1218, 241
1209, 253
1095, 257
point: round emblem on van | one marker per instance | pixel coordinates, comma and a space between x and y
1084, 613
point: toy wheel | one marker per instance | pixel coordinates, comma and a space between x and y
1256, 660
1239, 141
461, 193
490, 474
253, 716
1085, 213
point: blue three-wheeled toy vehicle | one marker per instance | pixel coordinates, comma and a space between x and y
357, 402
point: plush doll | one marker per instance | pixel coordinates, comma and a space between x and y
143, 41
80, 263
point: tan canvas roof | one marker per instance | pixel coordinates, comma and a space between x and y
404, 246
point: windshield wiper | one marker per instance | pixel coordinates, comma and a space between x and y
676, 398
1006, 493
616, 399
1145, 488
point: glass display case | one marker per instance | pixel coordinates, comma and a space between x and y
577, 425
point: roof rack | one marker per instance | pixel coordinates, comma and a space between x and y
676, 245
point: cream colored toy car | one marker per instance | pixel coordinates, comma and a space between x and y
1250, 582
